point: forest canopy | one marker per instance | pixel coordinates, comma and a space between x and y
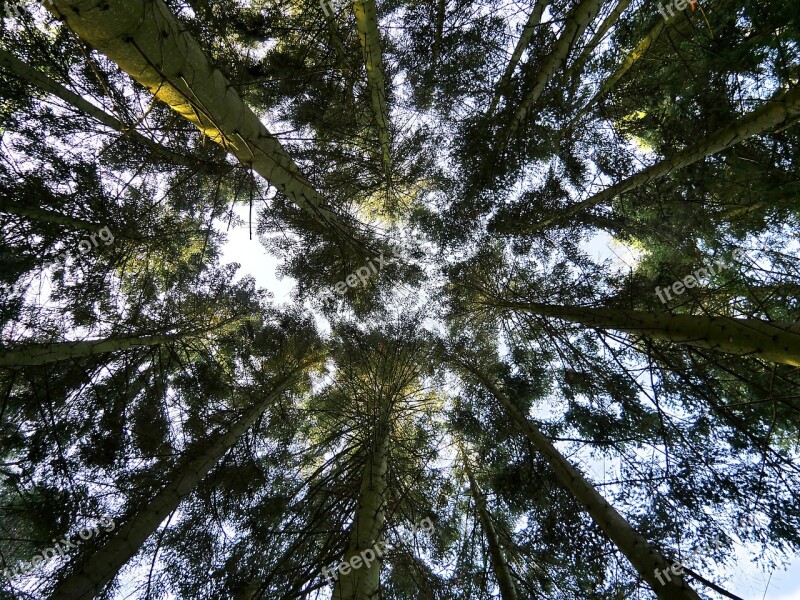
543, 336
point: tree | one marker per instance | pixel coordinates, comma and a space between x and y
505, 368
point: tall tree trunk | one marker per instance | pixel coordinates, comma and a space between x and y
98, 569
502, 573
441, 11
779, 110
341, 55
577, 66
46, 84
630, 60
40, 354
146, 41
366, 15
574, 27
635, 55
773, 341
45, 216
644, 557
363, 583
527, 33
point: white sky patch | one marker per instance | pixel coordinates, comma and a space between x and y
253, 257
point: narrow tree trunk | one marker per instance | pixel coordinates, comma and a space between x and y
628, 63
576, 24
502, 573
363, 583
773, 341
46, 216
441, 10
46, 84
577, 66
103, 565
40, 354
146, 41
527, 33
341, 55
776, 112
644, 557
366, 15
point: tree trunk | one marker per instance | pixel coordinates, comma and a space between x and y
341, 55
40, 354
630, 60
366, 15
776, 112
527, 33
441, 10
577, 67
502, 573
576, 24
146, 41
645, 558
773, 341
103, 565
46, 84
47, 216
363, 583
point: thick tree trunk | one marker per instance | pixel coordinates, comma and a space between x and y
366, 15
776, 112
146, 41
534, 20
103, 565
576, 24
773, 341
502, 572
363, 583
46, 84
40, 354
644, 558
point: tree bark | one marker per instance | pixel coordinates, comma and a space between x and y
103, 565
776, 112
40, 354
47, 216
502, 573
46, 84
576, 24
630, 60
577, 67
773, 341
644, 557
441, 10
341, 55
534, 20
146, 41
366, 15
363, 583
